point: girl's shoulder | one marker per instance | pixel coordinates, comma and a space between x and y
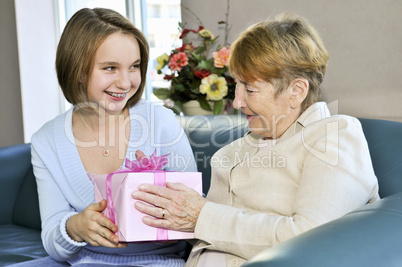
61, 122
151, 110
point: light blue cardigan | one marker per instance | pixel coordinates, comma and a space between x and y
64, 188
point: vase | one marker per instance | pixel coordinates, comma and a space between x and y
192, 108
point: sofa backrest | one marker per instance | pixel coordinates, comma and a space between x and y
18, 192
385, 143
207, 134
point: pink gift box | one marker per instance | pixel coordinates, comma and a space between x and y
128, 218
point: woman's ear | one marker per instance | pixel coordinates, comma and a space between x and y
299, 90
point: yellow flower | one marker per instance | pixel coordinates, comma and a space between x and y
215, 87
205, 33
162, 60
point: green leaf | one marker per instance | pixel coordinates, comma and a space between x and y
207, 64
197, 57
218, 105
214, 40
178, 107
204, 104
200, 49
162, 93
178, 87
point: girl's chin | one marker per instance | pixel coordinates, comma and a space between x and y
112, 107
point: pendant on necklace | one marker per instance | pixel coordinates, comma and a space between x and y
106, 152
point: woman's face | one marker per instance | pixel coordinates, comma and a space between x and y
268, 115
116, 73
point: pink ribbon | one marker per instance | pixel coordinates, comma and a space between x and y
152, 164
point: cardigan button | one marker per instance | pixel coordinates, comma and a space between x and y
234, 262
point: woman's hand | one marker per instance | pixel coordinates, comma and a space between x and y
92, 226
174, 207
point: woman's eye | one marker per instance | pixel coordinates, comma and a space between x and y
110, 68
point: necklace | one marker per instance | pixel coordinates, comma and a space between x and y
105, 151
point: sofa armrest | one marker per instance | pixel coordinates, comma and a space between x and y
15, 165
369, 236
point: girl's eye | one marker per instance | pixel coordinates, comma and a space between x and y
135, 67
110, 68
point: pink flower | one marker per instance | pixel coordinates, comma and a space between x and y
177, 61
221, 57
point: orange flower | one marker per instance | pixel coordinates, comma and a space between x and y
177, 61
221, 57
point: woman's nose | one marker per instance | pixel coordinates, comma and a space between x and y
238, 101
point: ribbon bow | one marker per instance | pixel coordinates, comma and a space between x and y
152, 163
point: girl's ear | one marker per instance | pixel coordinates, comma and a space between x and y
299, 90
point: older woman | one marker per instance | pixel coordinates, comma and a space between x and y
322, 169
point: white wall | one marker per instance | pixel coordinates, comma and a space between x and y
37, 41
363, 38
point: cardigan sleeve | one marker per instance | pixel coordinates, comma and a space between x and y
54, 209
336, 178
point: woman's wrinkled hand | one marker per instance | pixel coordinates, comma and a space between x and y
174, 207
93, 227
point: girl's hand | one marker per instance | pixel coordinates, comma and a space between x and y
93, 227
174, 207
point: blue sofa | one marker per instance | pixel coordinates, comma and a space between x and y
369, 236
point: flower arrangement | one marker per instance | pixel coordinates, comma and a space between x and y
195, 73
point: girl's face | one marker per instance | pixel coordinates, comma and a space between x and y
116, 73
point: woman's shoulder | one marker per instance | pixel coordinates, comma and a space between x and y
337, 122
318, 116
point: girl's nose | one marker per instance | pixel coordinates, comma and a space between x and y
123, 81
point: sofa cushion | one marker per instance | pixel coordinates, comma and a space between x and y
19, 244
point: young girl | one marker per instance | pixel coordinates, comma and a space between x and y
101, 66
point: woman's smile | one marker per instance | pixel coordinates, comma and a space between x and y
251, 117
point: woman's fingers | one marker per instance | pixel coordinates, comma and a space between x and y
182, 206
152, 199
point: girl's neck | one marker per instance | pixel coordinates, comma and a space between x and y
100, 118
